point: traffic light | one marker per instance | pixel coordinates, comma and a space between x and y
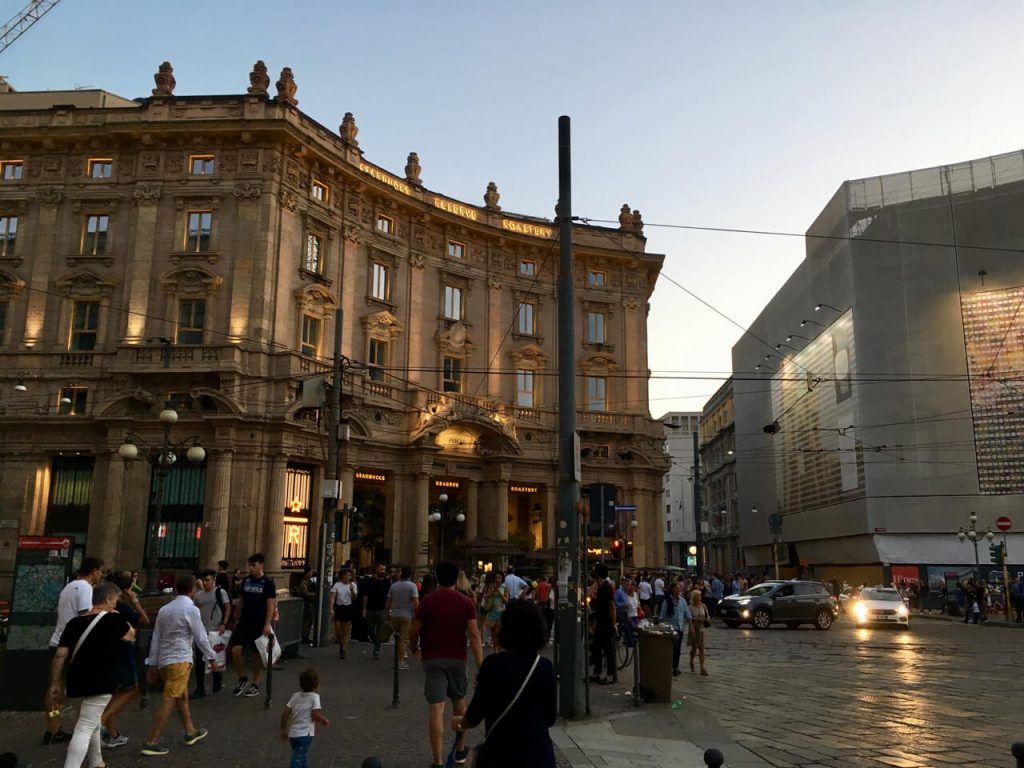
996, 553
617, 548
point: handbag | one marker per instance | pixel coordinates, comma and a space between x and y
474, 754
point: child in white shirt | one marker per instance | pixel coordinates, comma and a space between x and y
299, 716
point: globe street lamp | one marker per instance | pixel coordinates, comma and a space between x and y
162, 459
974, 536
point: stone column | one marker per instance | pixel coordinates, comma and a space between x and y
420, 351
139, 283
472, 494
634, 345
501, 509
497, 327
274, 506
107, 510
218, 508
394, 519
417, 535
641, 536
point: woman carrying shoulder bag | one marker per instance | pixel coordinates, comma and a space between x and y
700, 620
515, 695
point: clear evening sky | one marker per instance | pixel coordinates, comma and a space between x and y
729, 114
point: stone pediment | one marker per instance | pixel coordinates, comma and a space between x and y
191, 280
598, 361
10, 286
85, 285
382, 322
529, 354
455, 337
316, 296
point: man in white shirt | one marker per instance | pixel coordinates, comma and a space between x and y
514, 585
75, 600
659, 594
177, 626
645, 593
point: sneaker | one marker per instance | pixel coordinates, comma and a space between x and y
154, 750
194, 738
252, 690
243, 683
461, 755
115, 741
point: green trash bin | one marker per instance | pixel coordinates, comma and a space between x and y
655, 652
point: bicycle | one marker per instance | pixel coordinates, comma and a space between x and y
625, 644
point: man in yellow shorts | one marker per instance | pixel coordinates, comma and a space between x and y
177, 626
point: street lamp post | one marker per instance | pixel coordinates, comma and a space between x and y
441, 518
162, 459
974, 536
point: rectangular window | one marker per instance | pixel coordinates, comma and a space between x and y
595, 327
455, 249
197, 237
528, 268
668, 523
320, 191
385, 225
381, 288
313, 261
452, 302
595, 279
524, 320
10, 170
596, 400
191, 321
85, 326
377, 359
3, 322
72, 401
8, 234
310, 336
452, 374
100, 168
94, 239
201, 165
524, 389
600, 452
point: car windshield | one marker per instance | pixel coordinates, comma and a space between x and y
760, 589
877, 594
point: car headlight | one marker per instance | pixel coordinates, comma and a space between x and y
744, 601
902, 611
745, 613
860, 611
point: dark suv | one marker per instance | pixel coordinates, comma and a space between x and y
781, 602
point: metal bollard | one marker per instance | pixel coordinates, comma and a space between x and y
713, 758
1017, 750
373, 762
394, 697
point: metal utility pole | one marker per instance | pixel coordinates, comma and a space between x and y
698, 539
331, 490
571, 660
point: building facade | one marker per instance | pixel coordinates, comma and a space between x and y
890, 411
718, 479
195, 250
677, 495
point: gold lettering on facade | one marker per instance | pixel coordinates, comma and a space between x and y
459, 210
384, 178
523, 228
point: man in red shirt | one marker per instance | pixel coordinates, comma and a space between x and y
445, 620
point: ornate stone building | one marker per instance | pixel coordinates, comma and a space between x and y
194, 249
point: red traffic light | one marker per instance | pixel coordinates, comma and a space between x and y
616, 543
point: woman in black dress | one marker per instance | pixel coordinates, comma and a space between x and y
520, 737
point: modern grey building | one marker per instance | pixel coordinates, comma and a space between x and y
889, 402
677, 493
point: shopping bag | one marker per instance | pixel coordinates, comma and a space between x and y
261, 648
219, 643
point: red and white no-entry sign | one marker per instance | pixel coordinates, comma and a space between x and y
1003, 523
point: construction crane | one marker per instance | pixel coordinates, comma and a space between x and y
21, 21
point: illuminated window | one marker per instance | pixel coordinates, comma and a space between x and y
201, 165
85, 325
524, 319
320, 191
310, 336
72, 400
191, 321
455, 249
452, 375
8, 234
385, 225
94, 238
377, 359
313, 258
528, 268
452, 302
596, 399
596, 279
524, 389
10, 170
595, 327
197, 235
100, 168
381, 287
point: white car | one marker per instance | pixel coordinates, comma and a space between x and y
880, 605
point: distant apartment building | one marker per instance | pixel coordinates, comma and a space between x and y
677, 494
718, 480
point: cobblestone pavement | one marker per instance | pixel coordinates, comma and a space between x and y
941, 694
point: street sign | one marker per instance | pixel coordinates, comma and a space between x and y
775, 523
625, 507
1003, 523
